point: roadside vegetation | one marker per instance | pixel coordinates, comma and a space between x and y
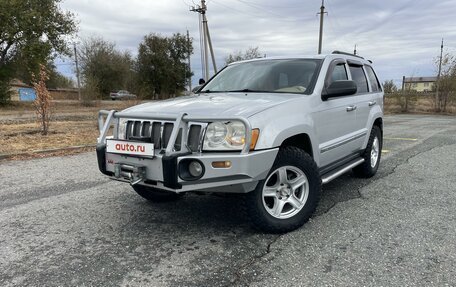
442, 99
30, 44
73, 125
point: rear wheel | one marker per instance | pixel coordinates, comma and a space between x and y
288, 196
371, 155
156, 195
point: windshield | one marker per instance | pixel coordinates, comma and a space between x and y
271, 76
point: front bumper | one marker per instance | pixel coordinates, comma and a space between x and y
162, 172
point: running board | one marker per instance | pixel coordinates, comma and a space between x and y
338, 172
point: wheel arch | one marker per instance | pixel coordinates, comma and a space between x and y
379, 123
301, 141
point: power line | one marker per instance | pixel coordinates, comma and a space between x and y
294, 7
256, 6
280, 18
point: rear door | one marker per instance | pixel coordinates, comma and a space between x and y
363, 97
368, 90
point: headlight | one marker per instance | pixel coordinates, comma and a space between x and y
122, 129
224, 136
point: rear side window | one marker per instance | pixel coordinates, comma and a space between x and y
359, 77
375, 84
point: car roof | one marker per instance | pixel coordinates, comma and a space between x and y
319, 56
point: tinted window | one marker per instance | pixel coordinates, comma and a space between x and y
375, 85
360, 78
339, 73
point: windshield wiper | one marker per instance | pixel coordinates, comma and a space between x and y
248, 91
209, 91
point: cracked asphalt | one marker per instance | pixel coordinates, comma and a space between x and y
64, 224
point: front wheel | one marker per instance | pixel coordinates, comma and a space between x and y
156, 195
288, 196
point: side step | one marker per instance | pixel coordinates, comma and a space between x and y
341, 170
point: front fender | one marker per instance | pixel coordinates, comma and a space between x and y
275, 130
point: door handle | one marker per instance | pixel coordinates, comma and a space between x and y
372, 103
351, 108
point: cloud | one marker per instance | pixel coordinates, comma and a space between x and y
401, 37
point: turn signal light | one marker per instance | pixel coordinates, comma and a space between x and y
255, 135
221, 164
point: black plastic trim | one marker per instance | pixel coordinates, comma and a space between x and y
101, 158
170, 171
345, 53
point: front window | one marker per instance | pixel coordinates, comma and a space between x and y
271, 76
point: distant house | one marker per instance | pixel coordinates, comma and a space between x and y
419, 84
21, 91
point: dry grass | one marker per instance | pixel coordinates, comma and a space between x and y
77, 126
26, 137
419, 105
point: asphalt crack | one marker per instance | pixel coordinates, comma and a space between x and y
240, 272
410, 154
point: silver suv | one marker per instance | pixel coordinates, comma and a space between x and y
272, 129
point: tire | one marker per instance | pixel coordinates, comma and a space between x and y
275, 206
156, 195
371, 155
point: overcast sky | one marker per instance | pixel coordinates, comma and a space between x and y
401, 37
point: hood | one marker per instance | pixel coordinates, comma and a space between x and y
220, 104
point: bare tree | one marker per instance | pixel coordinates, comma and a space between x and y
250, 53
389, 87
447, 82
42, 102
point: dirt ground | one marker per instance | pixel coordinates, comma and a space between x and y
72, 125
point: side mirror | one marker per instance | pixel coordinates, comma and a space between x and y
195, 89
339, 89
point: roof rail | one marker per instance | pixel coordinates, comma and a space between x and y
345, 53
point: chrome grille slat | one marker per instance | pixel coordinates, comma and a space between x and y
167, 130
156, 134
194, 137
159, 133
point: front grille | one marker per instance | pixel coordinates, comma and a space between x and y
159, 133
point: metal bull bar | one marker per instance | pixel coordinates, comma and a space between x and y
107, 118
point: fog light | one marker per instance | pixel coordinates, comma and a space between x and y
195, 169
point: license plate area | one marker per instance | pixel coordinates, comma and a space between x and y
130, 148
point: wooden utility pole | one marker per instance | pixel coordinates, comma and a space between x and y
322, 13
437, 96
189, 66
77, 71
